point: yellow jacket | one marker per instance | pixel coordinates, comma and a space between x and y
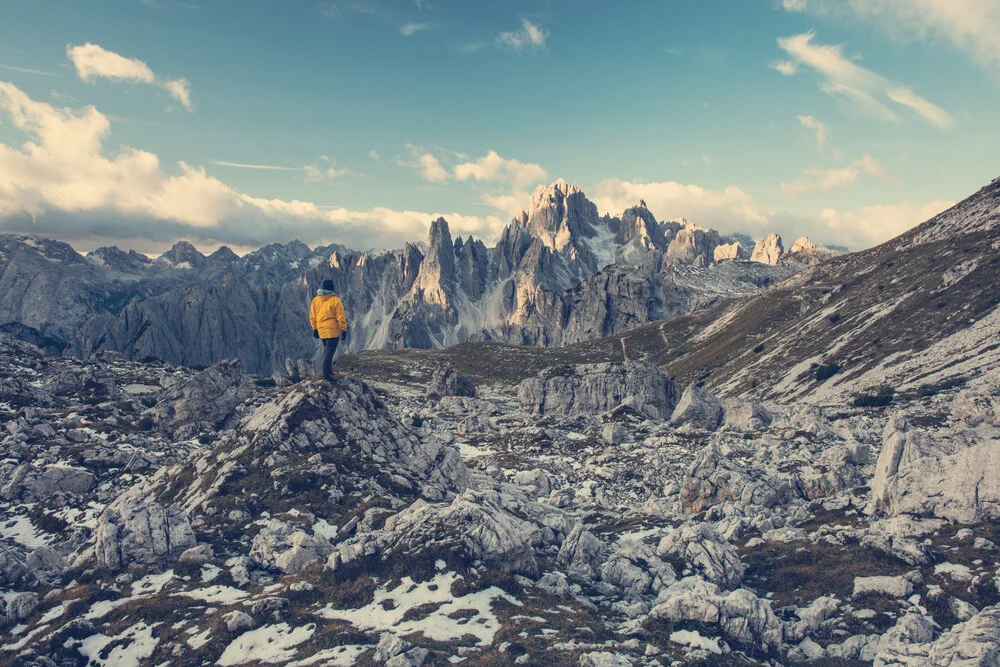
326, 314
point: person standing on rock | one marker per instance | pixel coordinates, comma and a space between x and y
329, 323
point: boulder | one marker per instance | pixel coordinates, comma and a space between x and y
698, 409
590, 389
473, 523
209, 397
743, 415
581, 554
700, 545
287, 548
135, 529
30, 483
714, 478
449, 382
740, 616
939, 478
893, 587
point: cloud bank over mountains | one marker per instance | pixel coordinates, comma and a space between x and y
64, 181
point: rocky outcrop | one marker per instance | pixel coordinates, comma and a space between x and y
473, 524
734, 250
29, 483
210, 397
698, 409
589, 389
975, 642
802, 243
284, 547
918, 476
581, 554
711, 556
694, 245
740, 616
446, 381
137, 530
713, 478
768, 250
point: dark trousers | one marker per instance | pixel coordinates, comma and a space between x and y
329, 349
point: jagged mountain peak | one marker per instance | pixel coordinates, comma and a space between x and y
224, 255
182, 255
803, 243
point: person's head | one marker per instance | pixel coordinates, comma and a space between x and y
327, 285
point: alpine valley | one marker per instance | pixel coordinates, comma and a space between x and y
606, 441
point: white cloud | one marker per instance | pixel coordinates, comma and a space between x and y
818, 126
822, 180
732, 210
315, 174
872, 225
707, 160
243, 165
62, 182
492, 167
373, 154
411, 29
431, 169
786, 67
92, 61
25, 70
864, 87
972, 26
530, 36
728, 210
794, 5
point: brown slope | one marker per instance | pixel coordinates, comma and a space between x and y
883, 306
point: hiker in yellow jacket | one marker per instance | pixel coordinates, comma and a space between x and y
329, 324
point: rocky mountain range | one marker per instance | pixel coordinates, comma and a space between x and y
560, 274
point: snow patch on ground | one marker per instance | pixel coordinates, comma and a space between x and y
126, 655
694, 639
437, 625
270, 644
215, 594
21, 530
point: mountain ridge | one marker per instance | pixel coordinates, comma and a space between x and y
559, 274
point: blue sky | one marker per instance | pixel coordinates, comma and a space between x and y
846, 120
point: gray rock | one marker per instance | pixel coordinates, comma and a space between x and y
740, 615
135, 529
31, 484
238, 621
745, 416
698, 409
209, 397
713, 478
20, 607
708, 553
449, 382
922, 478
287, 548
590, 389
581, 554
198, 555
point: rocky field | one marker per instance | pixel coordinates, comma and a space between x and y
550, 510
